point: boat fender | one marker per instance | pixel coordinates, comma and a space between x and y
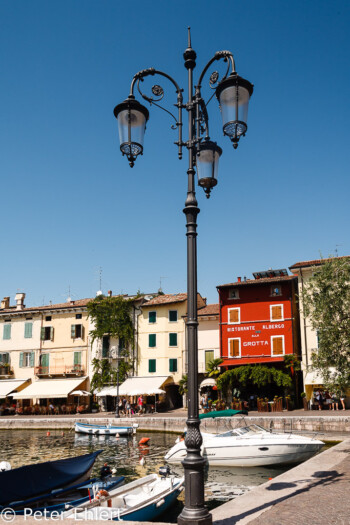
160, 503
104, 494
5, 465
144, 441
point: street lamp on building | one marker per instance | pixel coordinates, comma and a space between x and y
233, 93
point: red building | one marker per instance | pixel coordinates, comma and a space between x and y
259, 320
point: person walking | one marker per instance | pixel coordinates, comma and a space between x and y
319, 399
140, 405
127, 408
342, 400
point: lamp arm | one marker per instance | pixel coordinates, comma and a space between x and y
201, 106
227, 56
159, 93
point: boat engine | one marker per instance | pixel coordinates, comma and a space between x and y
164, 471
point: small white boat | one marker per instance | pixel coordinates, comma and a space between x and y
104, 430
142, 500
250, 446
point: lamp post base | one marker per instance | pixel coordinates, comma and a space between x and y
191, 517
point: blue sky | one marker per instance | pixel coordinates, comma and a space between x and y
71, 205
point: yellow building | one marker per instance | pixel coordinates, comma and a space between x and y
46, 347
162, 342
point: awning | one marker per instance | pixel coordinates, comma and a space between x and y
9, 385
104, 391
208, 381
50, 388
150, 385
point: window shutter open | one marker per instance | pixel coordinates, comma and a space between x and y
82, 331
73, 331
21, 360
42, 333
77, 358
32, 359
51, 333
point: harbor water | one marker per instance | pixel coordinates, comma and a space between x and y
23, 447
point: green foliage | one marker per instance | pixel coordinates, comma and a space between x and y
292, 362
104, 374
213, 368
183, 385
111, 316
259, 375
326, 302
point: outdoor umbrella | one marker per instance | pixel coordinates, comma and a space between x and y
80, 393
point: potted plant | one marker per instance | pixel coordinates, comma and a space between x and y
94, 408
305, 401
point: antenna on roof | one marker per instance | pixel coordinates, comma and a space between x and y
99, 292
160, 290
336, 249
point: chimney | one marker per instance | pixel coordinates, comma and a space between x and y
20, 300
239, 279
109, 293
5, 303
245, 278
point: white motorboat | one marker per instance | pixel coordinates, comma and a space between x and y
104, 430
141, 500
250, 446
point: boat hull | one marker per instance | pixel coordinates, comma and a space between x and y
234, 452
102, 430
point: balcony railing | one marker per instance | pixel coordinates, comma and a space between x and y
5, 371
73, 370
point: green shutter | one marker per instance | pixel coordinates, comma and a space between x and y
73, 331
209, 356
77, 358
172, 315
7, 331
42, 333
45, 359
21, 360
152, 340
172, 339
151, 365
152, 317
28, 330
32, 359
172, 365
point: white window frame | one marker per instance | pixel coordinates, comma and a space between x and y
283, 345
273, 306
239, 315
228, 348
27, 359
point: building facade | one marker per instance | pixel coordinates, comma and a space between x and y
259, 320
303, 271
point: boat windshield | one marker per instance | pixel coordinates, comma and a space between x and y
241, 431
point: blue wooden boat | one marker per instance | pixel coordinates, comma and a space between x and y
104, 430
62, 499
141, 500
33, 480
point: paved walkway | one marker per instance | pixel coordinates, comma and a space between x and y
313, 493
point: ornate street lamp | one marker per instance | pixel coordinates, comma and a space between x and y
233, 93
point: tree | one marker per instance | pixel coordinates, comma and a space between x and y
111, 316
326, 302
213, 367
183, 385
258, 375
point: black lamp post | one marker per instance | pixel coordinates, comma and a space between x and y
233, 93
